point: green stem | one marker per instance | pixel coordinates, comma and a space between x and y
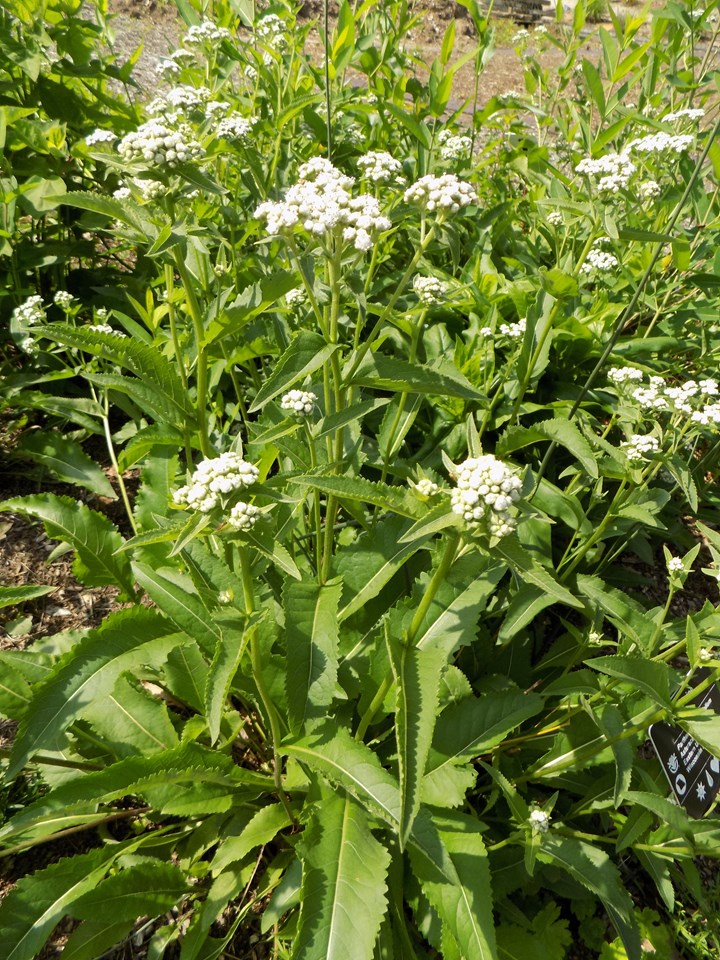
200, 346
118, 472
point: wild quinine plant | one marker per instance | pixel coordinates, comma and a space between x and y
394, 408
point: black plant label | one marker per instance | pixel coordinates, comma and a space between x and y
692, 771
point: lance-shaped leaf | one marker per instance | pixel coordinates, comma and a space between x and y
142, 889
528, 569
229, 648
126, 641
176, 597
594, 869
343, 891
91, 535
32, 909
417, 677
560, 430
307, 353
653, 678
261, 829
394, 499
93, 939
387, 373
131, 720
311, 630
66, 459
465, 907
187, 764
11, 596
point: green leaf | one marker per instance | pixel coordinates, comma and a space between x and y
624, 612
126, 211
146, 362
652, 677
418, 129
307, 353
417, 676
394, 499
343, 891
528, 569
229, 648
67, 460
38, 196
93, 939
32, 909
387, 373
561, 431
127, 640
177, 598
465, 907
311, 629
262, 829
131, 720
343, 418
91, 535
594, 869
13, 596
145, 889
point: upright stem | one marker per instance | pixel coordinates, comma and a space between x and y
201, 372
328, 103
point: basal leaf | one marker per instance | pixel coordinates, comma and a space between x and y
126, 641
394, 499
386, 373
262, 829
343, 891
307, 353
311, 630
144, 889
91, 535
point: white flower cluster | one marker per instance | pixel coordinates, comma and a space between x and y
661, 143
599, 260
321, 203
640, 447
271, 31
214, 107
100, 136
243, 516
454, 147
181, 98
30, 312
613, 171
235, 127
214, 479
148, 189
554, 218
675, 565
300, 403
444, 194
539, 821
206, 33
295, 297
486, 490
696, 113
513, 330
154, 142
520, 37
379, 166
63, 299
649, 189
625, 375
707, 416
429, 290
171, 65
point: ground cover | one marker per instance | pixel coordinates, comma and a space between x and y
373, 415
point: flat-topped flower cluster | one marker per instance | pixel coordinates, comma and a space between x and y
215, 480
157, 144
694, 399
486, 490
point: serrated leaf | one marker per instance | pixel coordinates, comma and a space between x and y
652, 677
386, 373
594, 870
32, 909
145, 362
15, 693
311, 629
307, 353
262, 829
67, 460
343, 418
188, 764
145, 889
13, 596
343, 892
394, 499
186, 674
624, 612
528, 569
130, 720
417, 677
127, 640
561, 431
126, 211
93, 939
91, 535
229, 648
465, 907
176, 597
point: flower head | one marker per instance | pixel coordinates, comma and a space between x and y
380, 167
215, 479
299, 403
30, 312
486, 490
429, 290
243, 516
539, 820
443, 195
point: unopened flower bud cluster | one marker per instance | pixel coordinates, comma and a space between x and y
299, 403
215, 479
454, 147
157, 144
429, 290
444, 194
235, 127
641, 447
649, 189
486, 490
379, 166
599, 260
100, 136
539, 821
206, 32
63, 299
426, 488
243, 516
611, 172
179, 100
321, 203
272, 31
554, 218
513, 330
